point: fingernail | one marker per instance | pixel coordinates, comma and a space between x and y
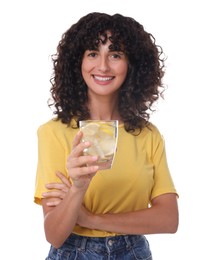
96, 168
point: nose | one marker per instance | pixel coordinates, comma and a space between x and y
103, 64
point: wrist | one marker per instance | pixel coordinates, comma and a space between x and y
74, 190
95, 221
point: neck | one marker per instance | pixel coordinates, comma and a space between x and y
104, 109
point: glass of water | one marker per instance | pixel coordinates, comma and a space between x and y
103, 135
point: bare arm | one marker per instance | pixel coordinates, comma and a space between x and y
162, 217
60, 220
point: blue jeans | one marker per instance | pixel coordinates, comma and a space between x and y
127, 247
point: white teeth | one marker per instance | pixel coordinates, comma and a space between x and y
102, 78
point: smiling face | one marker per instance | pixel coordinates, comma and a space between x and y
104, 70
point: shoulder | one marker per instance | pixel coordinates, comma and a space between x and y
54, 126
152, 131
149, 132
152, 137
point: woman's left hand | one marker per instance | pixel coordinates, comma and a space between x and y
57, 190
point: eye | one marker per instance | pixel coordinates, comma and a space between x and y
117, 55
92, 54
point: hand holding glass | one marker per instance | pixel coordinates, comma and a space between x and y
103, 136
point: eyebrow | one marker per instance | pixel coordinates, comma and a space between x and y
110, 50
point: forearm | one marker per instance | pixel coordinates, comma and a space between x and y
162, 217
147, 221
60, 221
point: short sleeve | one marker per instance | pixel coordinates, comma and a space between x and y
163, 182
51, 158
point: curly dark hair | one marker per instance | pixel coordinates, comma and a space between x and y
142, 86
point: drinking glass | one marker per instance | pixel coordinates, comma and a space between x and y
103, 135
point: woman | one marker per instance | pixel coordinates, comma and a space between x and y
106, 67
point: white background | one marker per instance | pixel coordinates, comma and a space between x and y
188, 32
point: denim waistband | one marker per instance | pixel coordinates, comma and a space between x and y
101, 243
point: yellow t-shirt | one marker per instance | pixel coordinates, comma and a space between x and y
139, 173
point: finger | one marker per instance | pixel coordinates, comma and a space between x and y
64, 179
88, 172
73, 162
53, 203
77, 139
53, 194
55, 185
79, 148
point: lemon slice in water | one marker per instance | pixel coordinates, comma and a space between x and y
90, 129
